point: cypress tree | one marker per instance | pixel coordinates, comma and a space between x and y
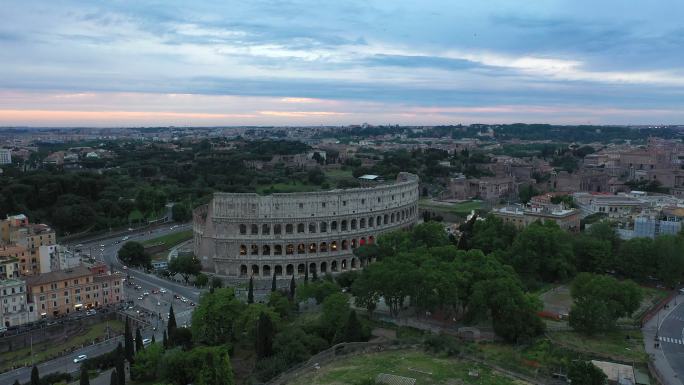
120, 366
35, 377
16, 382
171, 327
154, 340
250, 293
314, 277
353, 329
129, 348
264, 336
138, 341
165, 341
113, 379
306, 274
293, 287
85, 378
274, 284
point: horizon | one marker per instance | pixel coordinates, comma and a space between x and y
105, 65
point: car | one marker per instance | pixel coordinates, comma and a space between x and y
138, 287
91, 312
146, 341
176, 296
125, 238
162, 290
80, 358
140, 298
130, 229
145, 294
102, 245
158, 303
125, 267
192, 304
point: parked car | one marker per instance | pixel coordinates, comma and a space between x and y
81, 357
146, 341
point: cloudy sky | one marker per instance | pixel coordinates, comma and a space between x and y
306, 62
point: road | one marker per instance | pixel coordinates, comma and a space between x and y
106, 250
671, 335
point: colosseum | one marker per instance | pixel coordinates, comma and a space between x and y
243, 235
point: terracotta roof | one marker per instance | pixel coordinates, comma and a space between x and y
60, 275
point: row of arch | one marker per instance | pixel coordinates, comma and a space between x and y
325, 226
324, 267
303, 248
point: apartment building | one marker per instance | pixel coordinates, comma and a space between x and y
523, 216
14, 307
18, 231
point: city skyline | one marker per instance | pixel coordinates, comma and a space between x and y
299, 63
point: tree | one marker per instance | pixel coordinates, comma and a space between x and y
353, 331
586, 373
133, 254
293, 287
542, 252
180, 212
165, 340
246, 323
250, 292
185, 265
280, 304
306, 274
84, 378
216, 283
492, 234
592, 254
120, 365
129, 347
335, 313
171, 328
138, 341
600, 300
526, 192
201, 280
113, 378
35, 377
264, 336
214, 317
274, 283
147, 363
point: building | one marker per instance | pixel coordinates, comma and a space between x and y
243, 235
614, 206
9, 268
650, 225
14, 307
18, 231
523, 216
5, 156
490, 189
58, 293
56, 257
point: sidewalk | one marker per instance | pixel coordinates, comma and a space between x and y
665, 373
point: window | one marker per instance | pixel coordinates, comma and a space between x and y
289, 228
333, 226
243, 229
324, 227
265, 229
323, 204
300, 228
277, 229
255, 229
312, 227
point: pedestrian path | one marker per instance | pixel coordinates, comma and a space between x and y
671, 340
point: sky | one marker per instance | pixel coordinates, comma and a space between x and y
306, 62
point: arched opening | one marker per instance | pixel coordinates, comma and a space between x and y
370, 221
300, 228
353, 243
255, 250
278, 270
333, 246
278, 250
378, 220
323, 247
265, 229
243, 250
301, 268
386, 221
301, 248
353, 224
266, 250
362, 223
312, 248
344, 264
371, 240
333, 266
289, 249
255, 269
277, 229
323, 226
362, 241
312, 268
333, 226
344, 225
289, 269
345, 245
392, 218
353, 263
243, 270
255, 229
312, 227
243, 229
324, 267
289, 228
267, 271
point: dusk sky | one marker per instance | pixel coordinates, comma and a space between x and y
199, 63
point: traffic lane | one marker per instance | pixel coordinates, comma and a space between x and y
63, 364
139, 234
672, 327
160, 303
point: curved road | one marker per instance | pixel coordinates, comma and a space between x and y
105, 249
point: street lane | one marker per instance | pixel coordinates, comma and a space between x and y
672, 339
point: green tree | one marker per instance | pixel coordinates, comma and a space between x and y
335, 314
133, 254
113, 378
669, 254
180, 212
492, 234
293, 287
185, 265
586, 373
274, 283
148, 363
201, 280
245, 324
216, 370
120, 365
542, 252
171, 328
353, 330
165, 340
264, 336
35, 377
250, 291
280, 304
214, 317
84, 377
138, 340
129, 347
526, 192
216, 282
635, 258
592, 254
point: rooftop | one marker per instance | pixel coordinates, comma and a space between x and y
60, 275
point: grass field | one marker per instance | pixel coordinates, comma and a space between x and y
285, 188
169, 240
461, 208
425, 368
44, 351
626, 345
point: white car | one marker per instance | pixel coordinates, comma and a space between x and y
145, 294
81, 357
162, 290
125, 238
147, 341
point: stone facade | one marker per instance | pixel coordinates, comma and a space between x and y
243, 235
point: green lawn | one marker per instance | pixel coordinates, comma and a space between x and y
285, 188
625, 345
338, 174
425, 368
43, 351
169, 240
461, 208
